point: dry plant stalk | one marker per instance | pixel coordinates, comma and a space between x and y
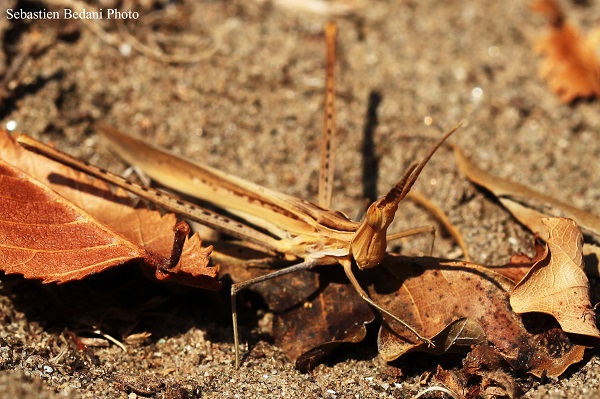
296, 228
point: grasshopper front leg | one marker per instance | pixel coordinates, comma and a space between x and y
347, 265
369, 244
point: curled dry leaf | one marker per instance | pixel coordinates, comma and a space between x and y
454, 382
437, 297
557, 284
114, 208
570, 65
482, 364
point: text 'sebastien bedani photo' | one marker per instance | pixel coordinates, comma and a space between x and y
67, 13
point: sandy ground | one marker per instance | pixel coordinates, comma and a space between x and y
253, 107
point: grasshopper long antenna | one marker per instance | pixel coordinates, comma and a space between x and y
415, 173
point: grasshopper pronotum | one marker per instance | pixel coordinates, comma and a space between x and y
293, 227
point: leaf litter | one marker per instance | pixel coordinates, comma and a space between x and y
448, 301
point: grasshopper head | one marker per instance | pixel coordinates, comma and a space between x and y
368, 247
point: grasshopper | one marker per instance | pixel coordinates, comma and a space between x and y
275, 222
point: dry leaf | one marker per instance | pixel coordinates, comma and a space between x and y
454, 382
570, 65
527, 205
337, 310
314, 311
519, 264
436, 296
114, 208
43, 236
557, 284
487, 367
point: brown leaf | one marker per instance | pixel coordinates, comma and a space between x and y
44, 236
193, 268
435, 296
454, 382
557, 284
313, 328
484, 362
115, 208
570, 65
315, 311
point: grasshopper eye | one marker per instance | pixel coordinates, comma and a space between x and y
374, 217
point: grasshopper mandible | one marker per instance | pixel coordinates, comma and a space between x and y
288, 225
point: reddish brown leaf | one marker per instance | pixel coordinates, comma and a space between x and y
434, 295
114, 208
454, 382
519, 264
483, 375
557, 284
43, 236
485, 362
570, 65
